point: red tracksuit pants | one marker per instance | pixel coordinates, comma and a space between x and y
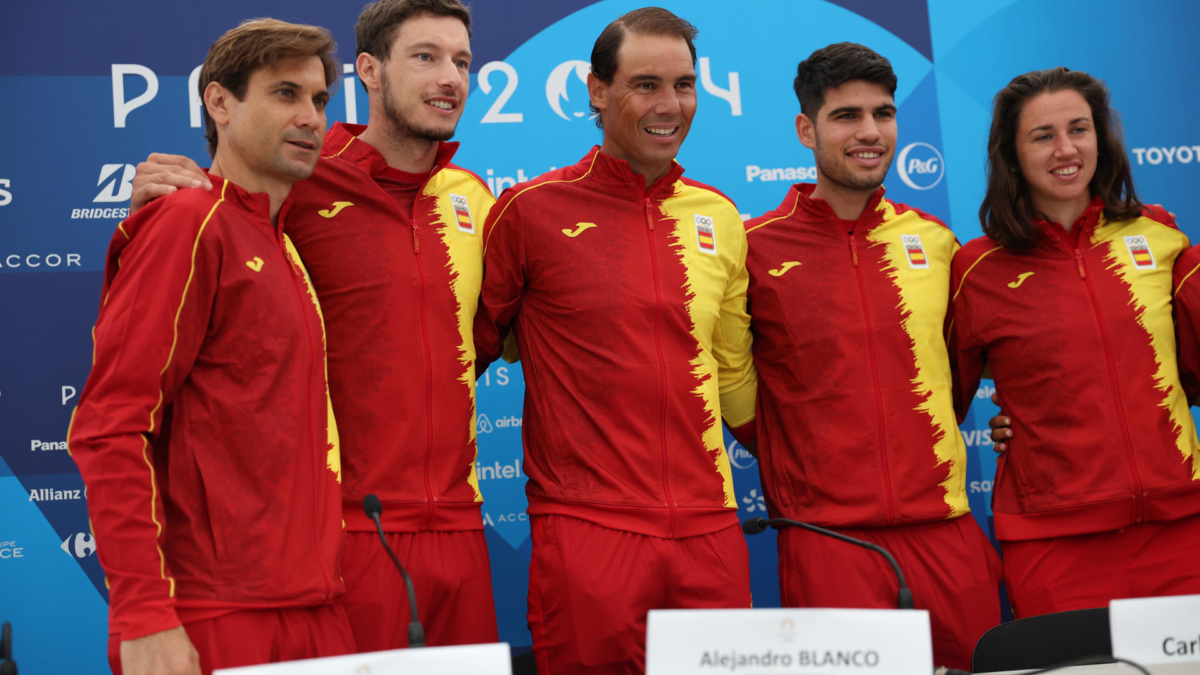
1088, 570
950, 566
252, 637
590, 588
450, 573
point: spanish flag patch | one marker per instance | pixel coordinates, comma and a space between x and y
462, 211
915, 251
1139, 251
706, 234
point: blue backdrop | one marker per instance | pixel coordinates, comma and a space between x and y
91, 88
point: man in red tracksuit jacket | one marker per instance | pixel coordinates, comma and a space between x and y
855, 426
625, 285
391, 232
204, 433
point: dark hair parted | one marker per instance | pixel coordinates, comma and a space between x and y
831, 67
644, 21
1007, 212
379, 21
257, 43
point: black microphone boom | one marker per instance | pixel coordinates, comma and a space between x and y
416, 633
904, 598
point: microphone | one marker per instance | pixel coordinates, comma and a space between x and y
416, 633
7, 665
904, 598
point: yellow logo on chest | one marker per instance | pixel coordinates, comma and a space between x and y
783, 269
337, 208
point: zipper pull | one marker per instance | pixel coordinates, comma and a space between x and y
854, 250
416, 241
649, 214
1079, 264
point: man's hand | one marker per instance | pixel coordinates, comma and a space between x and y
167, 652
160, 175
1001, 429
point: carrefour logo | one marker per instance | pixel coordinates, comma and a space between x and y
921, 166
79, 545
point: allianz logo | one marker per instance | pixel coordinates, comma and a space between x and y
483, 425
51, 495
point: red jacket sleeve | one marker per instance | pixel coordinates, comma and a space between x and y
503, 282
1187, 321
153, 316
967, 359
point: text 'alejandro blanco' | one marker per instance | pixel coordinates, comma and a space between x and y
804, 658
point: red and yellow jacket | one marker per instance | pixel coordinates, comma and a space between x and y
1187, 320
1079, 338
399, 296
629, 306
204, 434
855, 424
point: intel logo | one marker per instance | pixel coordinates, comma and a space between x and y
921, 166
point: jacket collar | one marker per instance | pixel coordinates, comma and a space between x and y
803, 206
342, 141
257, 204
1086, 222
608, 169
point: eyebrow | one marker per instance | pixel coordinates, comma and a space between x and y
292, 85
436, 47
1047, 127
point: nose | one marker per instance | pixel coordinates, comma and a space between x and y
449, 76
310, 116
868, 131
1063, 147
668, 103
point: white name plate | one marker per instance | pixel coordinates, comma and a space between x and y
769, 641
1156, 630
491, 659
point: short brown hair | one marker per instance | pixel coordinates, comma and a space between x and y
831, 67
644, 21
257, 43
1007, 213
379, 21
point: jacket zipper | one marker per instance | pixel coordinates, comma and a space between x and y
299, 283
430, 497
662, 371
1114, 383
889, 504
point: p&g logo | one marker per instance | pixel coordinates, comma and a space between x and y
920, 166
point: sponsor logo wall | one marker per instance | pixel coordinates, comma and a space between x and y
78, 122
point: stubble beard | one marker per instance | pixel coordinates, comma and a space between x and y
833, 171
401, 129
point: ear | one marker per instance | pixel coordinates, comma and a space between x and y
598, 92
218, 100
806, 131
370, 71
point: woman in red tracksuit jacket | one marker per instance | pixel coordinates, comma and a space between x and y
1068, 301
